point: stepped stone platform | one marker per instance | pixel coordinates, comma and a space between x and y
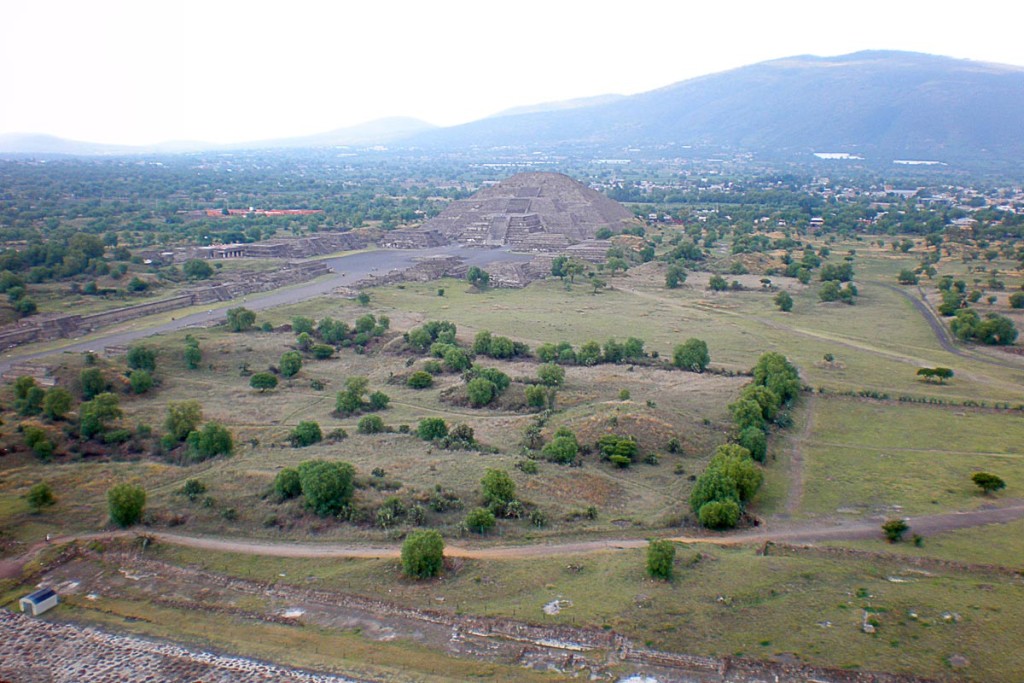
36, 650
543, 212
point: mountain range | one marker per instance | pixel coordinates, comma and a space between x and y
878, 104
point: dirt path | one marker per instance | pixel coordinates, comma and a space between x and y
796, 459
799, 532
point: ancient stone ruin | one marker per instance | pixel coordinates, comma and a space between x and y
530, 212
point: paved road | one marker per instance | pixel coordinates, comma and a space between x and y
942, 333
347, 270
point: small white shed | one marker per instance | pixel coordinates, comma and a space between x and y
39, 601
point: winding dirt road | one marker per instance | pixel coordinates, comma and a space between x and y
803, 532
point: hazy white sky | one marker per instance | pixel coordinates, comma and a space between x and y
146, 71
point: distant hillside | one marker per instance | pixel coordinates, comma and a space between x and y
891, 104
379, 132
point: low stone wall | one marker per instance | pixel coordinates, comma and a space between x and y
61, 327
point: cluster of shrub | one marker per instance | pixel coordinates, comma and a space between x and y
322, 338
733, 477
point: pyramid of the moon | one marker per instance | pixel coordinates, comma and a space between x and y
530, 212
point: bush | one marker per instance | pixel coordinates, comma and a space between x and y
784, 301
536, 396
379, 400
480, 520
692, 355
192, 489
125, 503
481, 392
40, 496
660, 557
212, 440
290, 363
988, 483
326, 486
370, 424
423, 554
263, 381
306, 433
322, 351
240, 319
432, 428
551, 375
142, 358
894, 530
182, 418
561, 449
719, 514
57, 403
421, 379
286, 483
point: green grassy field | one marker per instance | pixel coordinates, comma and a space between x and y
912, 459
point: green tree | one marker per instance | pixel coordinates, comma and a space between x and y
302, 325
711, 485
431, 428
661, 556
240, 319
263, 381
456, 360
196, 269
40, 496
125, 503
692, 355
498, 490
193, 356
479, 278
551, 375
755, 441
1017, 300
212, 440
94, 416
988, 483
183, 417
784, 301
363, 299
290, 363
907, 277
717, 283
423, 554
675, 276
141, 357
589, 354
894, 530
481, 392
480, 520
326, 486
57, 403
306, 433
141, 381
93, 382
